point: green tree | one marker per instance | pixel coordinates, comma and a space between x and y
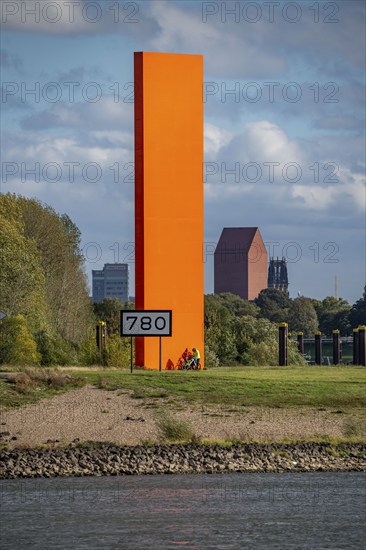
54, 350
274, 305
21, 278
17, 346
357, 315
236, 305
42, 276
333, 314
57, 240
219, 330
256, 341
118, 351
109, 311
241, 339
302, 316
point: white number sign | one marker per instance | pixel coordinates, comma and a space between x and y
146, 323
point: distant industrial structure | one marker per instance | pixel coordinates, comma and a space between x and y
277, 274
110, 282
241, 262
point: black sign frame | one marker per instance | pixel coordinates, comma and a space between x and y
145, 313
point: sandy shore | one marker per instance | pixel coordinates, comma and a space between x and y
91, 414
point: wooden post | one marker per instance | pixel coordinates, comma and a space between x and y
336, 347
300, 342
160, 353
131, 357
282, 344
318, 348
362, 345
355, 346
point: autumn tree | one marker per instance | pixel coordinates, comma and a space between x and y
58, 242
21, 276
17, 345
42, 279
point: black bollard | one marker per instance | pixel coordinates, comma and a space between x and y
318, 348
340, 350
355, 346
282, 344
336, 347
97, 336
362, 345
300, 342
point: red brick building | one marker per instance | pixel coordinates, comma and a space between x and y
241, 262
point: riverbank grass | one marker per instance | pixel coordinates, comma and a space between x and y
340, 387
233, 388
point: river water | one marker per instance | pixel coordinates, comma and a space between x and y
290, 511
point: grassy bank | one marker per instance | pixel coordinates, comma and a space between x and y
29, 385
341, 387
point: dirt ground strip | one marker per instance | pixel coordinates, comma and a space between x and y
99, 415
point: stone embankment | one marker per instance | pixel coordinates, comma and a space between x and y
105, 459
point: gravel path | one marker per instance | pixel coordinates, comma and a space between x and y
99, 415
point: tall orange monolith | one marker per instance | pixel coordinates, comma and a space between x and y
169, 200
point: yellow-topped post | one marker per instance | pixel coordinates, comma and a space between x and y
300, 342
318, 348
101, 335
282, 344
355, 346
336, 347
362, 345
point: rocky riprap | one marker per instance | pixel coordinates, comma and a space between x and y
107, 459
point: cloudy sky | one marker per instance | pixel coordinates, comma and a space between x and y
284, 123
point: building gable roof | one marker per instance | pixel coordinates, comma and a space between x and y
236, 238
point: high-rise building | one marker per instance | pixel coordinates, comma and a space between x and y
277, 274
110, 282
241, 262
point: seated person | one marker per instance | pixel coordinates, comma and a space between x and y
186, 355
186, 360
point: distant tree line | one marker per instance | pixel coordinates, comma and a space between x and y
308, 315
50, 319
240, 332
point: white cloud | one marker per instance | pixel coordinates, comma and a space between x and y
174, 22
268, 142
264, 142
226, 192
78, 17
56, 17
261, 152
351, 189
215, 139
226, 53
236, 131
104, 114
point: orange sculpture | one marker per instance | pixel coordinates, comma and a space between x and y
169, 200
